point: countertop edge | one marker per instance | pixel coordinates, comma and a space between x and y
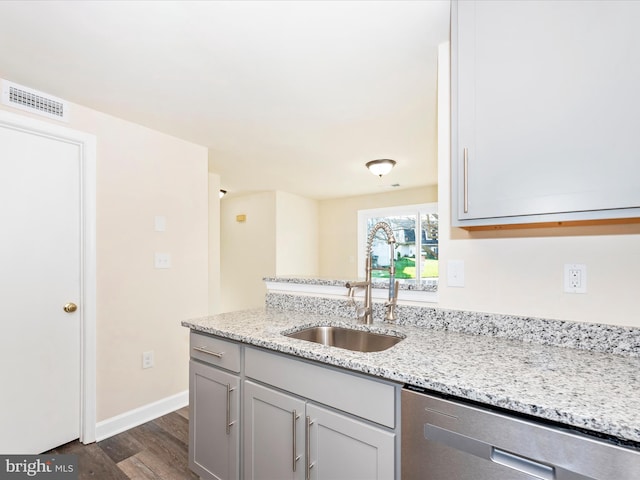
369, 364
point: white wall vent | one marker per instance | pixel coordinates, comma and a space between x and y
33, 101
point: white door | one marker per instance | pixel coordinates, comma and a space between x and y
40, 221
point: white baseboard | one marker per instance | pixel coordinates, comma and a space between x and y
118, 424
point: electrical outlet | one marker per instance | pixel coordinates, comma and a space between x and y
575, 278
147, 359
162, 260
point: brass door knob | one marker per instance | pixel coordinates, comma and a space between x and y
70, 307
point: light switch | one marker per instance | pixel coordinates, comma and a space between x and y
160, 223
455, 273
162, 260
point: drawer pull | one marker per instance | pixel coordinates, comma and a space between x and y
208, 352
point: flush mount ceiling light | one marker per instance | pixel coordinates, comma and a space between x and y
380, 167
222, 193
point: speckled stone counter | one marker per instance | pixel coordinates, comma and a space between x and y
587, 389
585, 336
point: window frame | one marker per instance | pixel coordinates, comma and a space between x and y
366, 214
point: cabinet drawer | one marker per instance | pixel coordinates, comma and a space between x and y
215, 351
369, 399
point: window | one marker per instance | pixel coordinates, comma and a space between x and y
415, 228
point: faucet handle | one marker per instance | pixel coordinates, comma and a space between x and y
390, 316
361, 313
352, 286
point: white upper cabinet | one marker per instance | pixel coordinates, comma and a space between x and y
545, 111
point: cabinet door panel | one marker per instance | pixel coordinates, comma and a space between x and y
351, 393
213, 447
346, 449
547, 100
270, 430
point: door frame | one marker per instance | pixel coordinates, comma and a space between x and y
87, 145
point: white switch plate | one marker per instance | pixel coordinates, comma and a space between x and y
455, 273
147, 359
575, 278
160, 223
162, 260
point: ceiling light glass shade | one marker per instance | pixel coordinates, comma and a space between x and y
381, 167
222, 193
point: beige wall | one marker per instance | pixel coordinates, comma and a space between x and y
520, 272
296, 235
142, 173
278, 237
339, 226
214, 244
247, 249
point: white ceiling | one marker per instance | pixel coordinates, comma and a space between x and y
293, 95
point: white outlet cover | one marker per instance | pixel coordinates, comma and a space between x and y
575, 278
147, 359
162, 260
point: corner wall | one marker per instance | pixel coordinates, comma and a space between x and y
142, 173
214, 244
279, 236
247, 249
296, 235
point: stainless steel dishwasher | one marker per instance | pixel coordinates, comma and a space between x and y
447, 440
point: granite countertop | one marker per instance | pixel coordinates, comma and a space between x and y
596, 391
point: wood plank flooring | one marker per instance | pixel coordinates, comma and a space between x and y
156, 450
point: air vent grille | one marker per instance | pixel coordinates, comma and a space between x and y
34, 101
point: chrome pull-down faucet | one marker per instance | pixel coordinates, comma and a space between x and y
390, 315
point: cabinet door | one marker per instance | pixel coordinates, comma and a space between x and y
545, 104
213, 422
342, 448
274, 437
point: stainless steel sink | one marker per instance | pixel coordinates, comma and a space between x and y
347, 338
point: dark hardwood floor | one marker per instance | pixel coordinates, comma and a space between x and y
156, 450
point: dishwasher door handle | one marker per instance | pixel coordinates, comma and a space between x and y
522, 464
486, 451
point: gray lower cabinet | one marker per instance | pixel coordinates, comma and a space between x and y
255, 415
214, 408
274, 434
343, 448
289, 438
